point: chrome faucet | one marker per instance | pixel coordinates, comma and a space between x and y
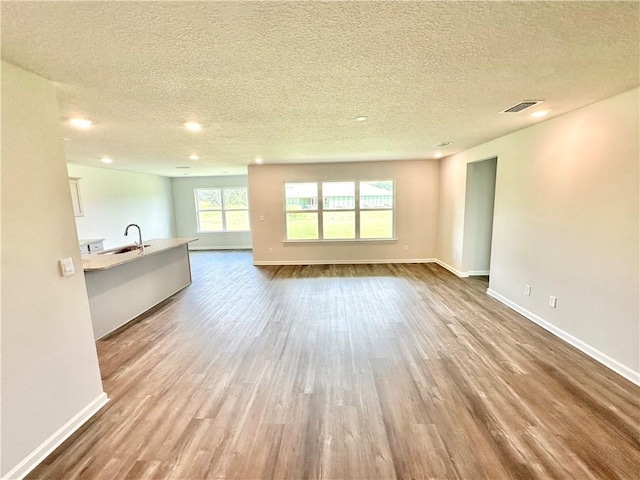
126, 232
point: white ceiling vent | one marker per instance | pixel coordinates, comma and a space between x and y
519, 107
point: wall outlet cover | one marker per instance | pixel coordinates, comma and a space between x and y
66, 267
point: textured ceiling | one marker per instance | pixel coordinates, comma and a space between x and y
284, 80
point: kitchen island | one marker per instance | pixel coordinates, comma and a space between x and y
121, 286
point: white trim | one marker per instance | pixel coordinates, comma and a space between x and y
604, 359
451, 269
54, 441
478, 273
343, 262
220, 247
341, 240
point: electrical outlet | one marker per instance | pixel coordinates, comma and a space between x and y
527, 289
271, 250
262, 218
553, 301
406, 248
455, 256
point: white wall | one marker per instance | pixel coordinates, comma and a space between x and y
566, 223
478, 216
184, 208
49, 363
416, 184
112, 199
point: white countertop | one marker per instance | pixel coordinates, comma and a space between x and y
102, 261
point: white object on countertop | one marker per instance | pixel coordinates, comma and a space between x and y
91, 245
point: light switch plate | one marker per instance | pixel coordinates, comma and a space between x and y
66, 267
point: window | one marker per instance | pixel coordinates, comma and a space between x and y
338, 210
348, 210
302, 210
376, 209
222, 209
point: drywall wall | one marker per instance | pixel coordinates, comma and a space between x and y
50, 373
416, 194
478, 216
112, 199
184, 208
566, 223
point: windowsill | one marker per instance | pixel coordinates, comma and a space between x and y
345, 240
204, 232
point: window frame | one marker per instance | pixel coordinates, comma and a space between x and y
223, 210
332, 210
357, 210
315, 210
377, 209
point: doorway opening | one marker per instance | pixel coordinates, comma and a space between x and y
478, 217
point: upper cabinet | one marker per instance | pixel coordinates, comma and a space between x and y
74, 184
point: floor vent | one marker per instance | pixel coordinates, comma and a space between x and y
518, 107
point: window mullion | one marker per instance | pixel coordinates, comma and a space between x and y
320, 207
357, 209
224, 216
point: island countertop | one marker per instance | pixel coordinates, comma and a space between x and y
103, 261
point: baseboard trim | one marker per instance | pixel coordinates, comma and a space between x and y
478, 273
54, 441
342, 262
233, 247
451, 269
597, 355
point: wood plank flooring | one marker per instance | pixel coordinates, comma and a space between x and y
347, 372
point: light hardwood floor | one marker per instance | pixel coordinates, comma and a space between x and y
347, 372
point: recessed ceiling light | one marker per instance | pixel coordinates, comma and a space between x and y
540, 113
194, 157
361, 119
193, 126
66, 139
259, 160
185, 167
106, 160
80, 122
442, 144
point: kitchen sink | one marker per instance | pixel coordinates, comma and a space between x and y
119, 250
